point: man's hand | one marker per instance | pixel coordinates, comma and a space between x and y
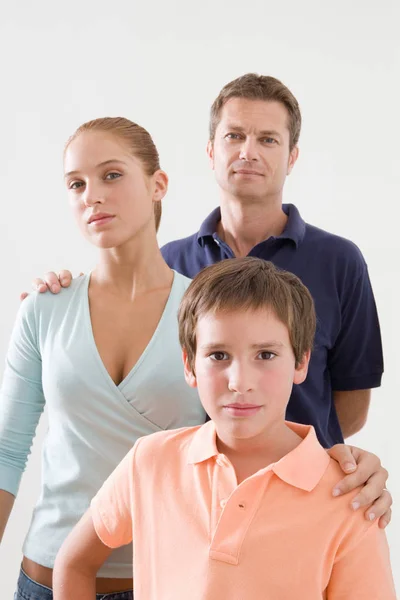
51, 282
363, 469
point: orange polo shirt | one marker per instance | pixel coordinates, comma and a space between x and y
279, 535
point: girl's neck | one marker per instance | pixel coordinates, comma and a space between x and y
132, 269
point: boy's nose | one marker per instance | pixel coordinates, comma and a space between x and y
240, 380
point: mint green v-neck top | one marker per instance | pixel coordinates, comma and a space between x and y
53, 360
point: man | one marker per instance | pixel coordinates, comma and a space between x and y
254, 131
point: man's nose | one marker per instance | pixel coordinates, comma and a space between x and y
249, 150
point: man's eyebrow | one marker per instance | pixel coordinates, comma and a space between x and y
264, 132
102, 164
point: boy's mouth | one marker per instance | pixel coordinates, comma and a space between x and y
237, 409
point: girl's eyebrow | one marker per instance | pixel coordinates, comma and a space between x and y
102, 164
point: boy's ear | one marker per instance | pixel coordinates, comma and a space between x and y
302, 368
189, 376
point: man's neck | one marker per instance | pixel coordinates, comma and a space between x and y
243, 225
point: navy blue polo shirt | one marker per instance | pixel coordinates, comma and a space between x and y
347, 353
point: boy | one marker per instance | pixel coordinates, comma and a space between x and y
239, 508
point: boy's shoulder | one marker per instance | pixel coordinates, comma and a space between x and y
165, 444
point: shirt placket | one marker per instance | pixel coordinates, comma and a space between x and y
233, 510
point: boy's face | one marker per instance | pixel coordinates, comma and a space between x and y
245, 370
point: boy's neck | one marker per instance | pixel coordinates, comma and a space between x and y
250, 455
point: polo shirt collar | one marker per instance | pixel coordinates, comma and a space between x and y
294, 230
303, 467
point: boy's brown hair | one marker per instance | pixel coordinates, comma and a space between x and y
248, 284
258, 87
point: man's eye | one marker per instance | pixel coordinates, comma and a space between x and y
266, 355
233, 136
218, 356
74, 185
269, 140
111, 176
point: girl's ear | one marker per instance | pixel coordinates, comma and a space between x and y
161, 185
189, 375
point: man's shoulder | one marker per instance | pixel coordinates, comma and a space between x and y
180, 246
184, 255
333, 250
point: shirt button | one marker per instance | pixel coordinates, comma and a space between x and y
222, 503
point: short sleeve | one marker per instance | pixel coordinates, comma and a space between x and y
362, 567
21, 397
112, 506
356, 361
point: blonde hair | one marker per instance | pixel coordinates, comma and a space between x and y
248, 284
138, 140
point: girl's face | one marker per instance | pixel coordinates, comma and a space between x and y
110, 193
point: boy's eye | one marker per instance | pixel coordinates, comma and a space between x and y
111, 176
218, 356
264, 355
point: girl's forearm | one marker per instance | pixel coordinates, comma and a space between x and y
70, 582
6, 504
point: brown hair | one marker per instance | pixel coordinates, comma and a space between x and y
258, 87
248, 284
138, 140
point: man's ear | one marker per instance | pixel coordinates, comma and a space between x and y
293, 156
302, 368
210, 152
189, 375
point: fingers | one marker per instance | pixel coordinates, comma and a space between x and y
65, 278
385, 519
380, 508
39, 285
370, 475
373, 490
343, 454
23, 296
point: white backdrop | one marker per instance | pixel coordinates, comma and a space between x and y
162, 64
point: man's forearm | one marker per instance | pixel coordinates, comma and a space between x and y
6, 504
352, 410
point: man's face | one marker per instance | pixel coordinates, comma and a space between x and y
244, 371
250, 153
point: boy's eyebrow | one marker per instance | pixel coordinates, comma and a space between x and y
102, 164
261, 346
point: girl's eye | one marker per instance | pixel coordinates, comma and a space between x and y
74, 185
111, 176
266, 355
218, 356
